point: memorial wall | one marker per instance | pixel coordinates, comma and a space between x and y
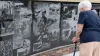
28, 28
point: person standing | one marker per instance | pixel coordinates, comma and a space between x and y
88, 30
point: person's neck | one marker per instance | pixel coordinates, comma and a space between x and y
86, 9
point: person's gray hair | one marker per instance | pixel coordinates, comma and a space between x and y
85, 3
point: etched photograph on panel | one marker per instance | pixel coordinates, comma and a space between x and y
6, 18
46, 25
25, 49
68, 22
23, 20
6, 47
53, 22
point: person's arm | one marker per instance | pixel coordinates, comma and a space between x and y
79, 30
80, 26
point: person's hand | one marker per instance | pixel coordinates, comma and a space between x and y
75, 39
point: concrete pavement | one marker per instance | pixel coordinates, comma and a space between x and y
71, 54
